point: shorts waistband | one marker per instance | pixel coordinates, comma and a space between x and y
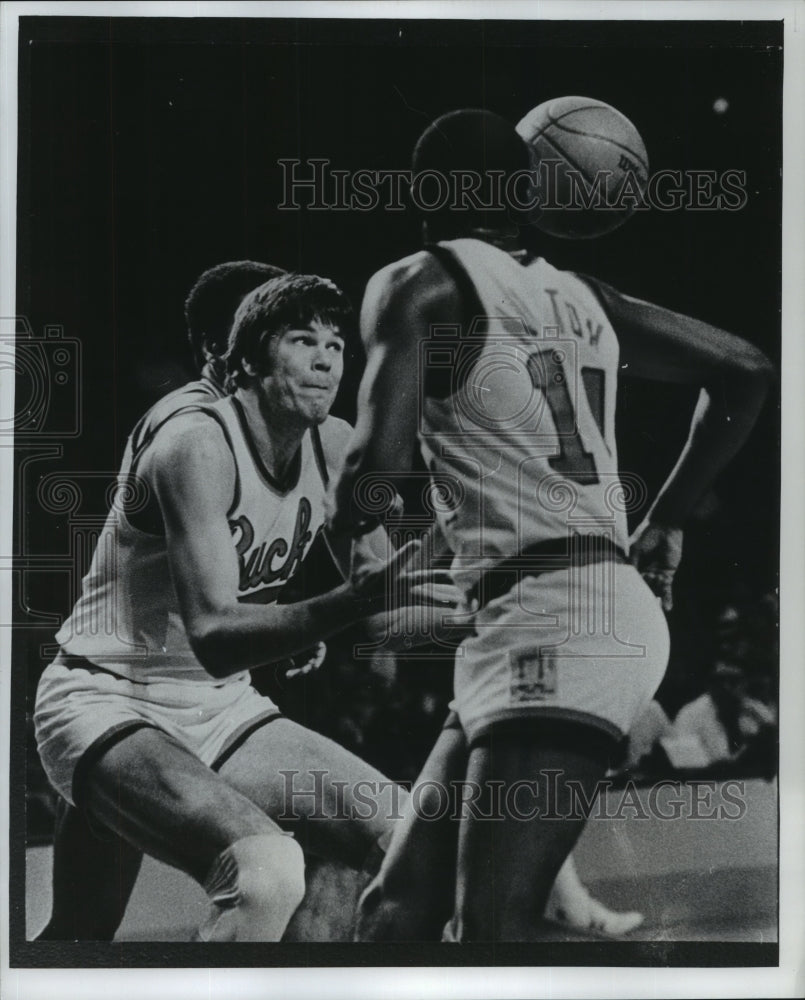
74, 661
544, 557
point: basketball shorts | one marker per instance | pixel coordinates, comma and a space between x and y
588, 645
81, 710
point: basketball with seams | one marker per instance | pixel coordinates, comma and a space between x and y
590, 164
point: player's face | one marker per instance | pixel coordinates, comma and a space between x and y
306, 365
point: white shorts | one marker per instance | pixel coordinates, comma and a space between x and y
588, 645
81, 710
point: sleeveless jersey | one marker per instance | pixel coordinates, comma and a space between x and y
517, 420
203, 390
127, 619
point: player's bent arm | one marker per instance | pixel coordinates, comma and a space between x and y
734, 377
401, 304
193, 474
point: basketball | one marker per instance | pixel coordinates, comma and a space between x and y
591, 166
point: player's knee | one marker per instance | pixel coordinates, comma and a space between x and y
255, 886
272, 873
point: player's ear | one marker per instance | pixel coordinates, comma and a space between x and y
248, 368
206, 353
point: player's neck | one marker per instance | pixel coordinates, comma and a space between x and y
276, 436
505, 237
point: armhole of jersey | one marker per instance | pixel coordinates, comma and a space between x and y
471, 306
439, 382
318, 451
595, 287
191, 408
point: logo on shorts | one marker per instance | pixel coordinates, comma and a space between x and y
533, 678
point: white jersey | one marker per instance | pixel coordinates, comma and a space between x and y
518, 414
127, 619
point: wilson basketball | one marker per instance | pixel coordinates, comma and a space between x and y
591, 166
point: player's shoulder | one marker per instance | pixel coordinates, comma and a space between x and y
197, 393
419, 271
192, 434
418, 283
603, 292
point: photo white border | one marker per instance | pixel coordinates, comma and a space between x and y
355, 983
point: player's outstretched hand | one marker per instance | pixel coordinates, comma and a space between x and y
656, 551
382, 584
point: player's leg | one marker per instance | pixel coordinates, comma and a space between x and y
571, 692
93, 877
338, 806
507, 864
411, 897
163, 800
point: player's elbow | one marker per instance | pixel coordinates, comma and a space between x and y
747, 375
751, 364
211, 647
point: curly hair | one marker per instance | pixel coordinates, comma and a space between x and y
213, 299
482, 143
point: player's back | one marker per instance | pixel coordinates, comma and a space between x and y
519, 409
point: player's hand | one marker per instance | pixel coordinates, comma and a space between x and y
656, 551
314, 660
382, 584
432, 588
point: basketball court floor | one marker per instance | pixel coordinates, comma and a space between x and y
695, 879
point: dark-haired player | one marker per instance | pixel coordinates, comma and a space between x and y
147, 719
94, 875
505, 371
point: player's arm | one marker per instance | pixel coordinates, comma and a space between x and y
433, 589
733, 377
400, 305
193, 474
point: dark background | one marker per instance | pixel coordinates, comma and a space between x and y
148, 152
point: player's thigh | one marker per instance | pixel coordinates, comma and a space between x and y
163, 800
337, 805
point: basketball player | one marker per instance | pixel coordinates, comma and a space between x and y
94, 873
150, 724
505, 369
